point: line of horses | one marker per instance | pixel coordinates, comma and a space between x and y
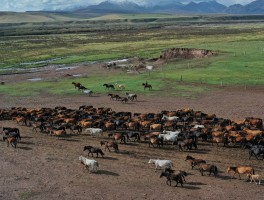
179, 176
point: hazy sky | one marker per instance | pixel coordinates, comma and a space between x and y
34, 5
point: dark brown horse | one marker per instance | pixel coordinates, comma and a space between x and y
92, 150
146, 85
156, 140
172, 177
193, 161
108, 144
209, 168
11, 140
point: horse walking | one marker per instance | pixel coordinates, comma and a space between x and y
146, 85
241, 170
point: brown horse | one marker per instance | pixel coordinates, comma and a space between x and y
241, 170
155, 140
194, 161
108, 144
119, 136
209, 168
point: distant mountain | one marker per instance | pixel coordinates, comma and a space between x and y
170, 6
111, 7
255, 7
205, 7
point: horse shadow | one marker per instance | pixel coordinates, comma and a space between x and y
224, 177
25, 148
195, 183
70, 140
105, 172
201, 151
95, 96
132, 144
27, 143
190, 187
26, 137
108, 158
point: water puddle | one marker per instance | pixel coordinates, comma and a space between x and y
35, 79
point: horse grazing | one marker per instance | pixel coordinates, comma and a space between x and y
109, 86
93, 150
194, 162
110, 144
11, 140
209, 168
241, 170
146, 85
172, 177
161, 163
91, 165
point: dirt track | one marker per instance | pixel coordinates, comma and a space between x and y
43, 167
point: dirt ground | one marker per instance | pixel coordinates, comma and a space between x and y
44, 167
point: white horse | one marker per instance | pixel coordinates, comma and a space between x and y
88, 92
92, 165
170, 118
161, 163
198, 126
120, 86
169, 137
94, 131
132, 97
171, 132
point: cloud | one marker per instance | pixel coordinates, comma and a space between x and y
35, 5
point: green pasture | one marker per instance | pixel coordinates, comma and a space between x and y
239, 61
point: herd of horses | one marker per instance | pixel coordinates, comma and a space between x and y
184, 128
129, 96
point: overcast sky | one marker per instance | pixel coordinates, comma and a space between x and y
35, 5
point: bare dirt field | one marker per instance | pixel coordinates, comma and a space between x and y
44, 167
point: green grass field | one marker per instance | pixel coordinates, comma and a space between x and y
240, 60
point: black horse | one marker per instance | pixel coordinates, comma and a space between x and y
109, 86
134, 135
256, 150
93, 150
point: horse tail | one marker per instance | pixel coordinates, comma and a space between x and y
253, 171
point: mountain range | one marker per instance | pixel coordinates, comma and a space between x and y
255, 7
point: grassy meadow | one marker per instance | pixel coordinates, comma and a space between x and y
239, 62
